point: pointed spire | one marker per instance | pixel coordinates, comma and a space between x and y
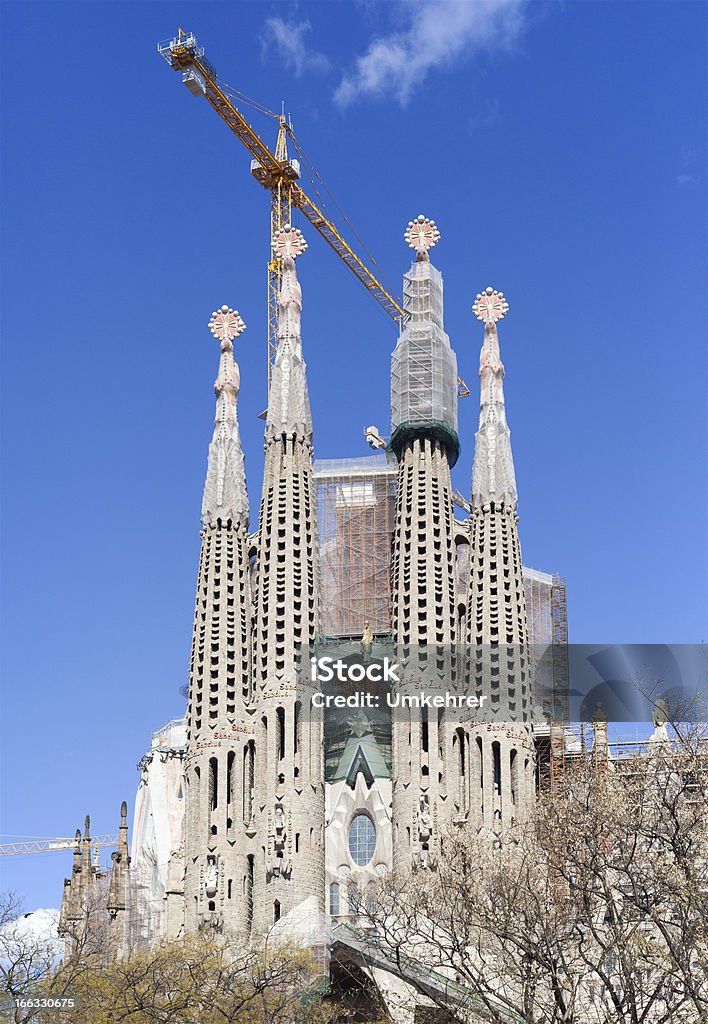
289, 402
123, 830
86, 849
77, 852
71, 897
493, 478
225, 494
121, 862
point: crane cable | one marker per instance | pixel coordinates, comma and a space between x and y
237, 94
312, 173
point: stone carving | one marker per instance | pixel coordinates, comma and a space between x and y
277, 862
367, 642
211, 877
422, 234
279, 821
289, 243
226, 324
490, 306
424, 857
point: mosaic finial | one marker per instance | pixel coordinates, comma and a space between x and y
490, 306
422, 234
289, 242
226, 324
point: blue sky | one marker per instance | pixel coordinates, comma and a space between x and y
560, 148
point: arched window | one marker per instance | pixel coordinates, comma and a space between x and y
371, 898
362, 839
334, 899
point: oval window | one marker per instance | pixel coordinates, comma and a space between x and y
362, 839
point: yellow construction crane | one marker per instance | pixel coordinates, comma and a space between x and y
25, 844
277, 173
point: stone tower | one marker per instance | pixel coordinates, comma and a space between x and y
496, 759
219, 832
73, 916
424, 565
289, 783
118, 892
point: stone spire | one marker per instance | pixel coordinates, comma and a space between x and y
117, 903
73, 917
121, 862
493, 476
498, 759
289, 402
288, 786
225, 494
496, 609
220, 685
70, 903
86, 853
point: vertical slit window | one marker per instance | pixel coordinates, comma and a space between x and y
249, 889
213, 783
229, 777
496, 767
281, 733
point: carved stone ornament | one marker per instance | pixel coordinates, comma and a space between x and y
422, 234
289, 242
211, 878
226, 324
277, 863
424, 858
490, 306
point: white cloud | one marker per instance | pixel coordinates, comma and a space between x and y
682, 180
438, 33
288, 40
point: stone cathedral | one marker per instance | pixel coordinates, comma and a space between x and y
255, 813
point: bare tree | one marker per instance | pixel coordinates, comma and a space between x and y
593, 911
26, 960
